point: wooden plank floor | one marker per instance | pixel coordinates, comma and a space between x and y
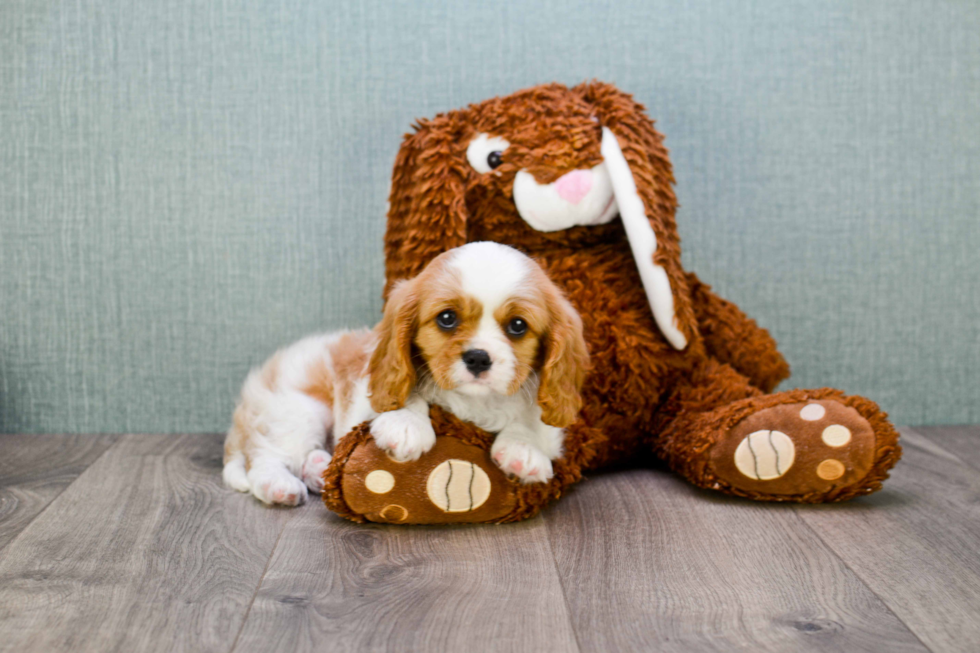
130, 543
36, 469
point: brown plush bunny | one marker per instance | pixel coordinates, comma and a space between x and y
579, 179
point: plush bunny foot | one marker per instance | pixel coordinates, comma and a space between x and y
452, 482
456, 481
815, 450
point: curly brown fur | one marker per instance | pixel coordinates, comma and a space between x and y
333, 492
642, 395
732, 337
437, 200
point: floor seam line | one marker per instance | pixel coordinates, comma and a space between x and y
561, 584
258, 585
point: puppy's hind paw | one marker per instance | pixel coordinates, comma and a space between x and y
525, 461
280, 489
313, 467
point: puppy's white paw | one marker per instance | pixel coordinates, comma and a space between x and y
404, 434
313, 467
235, 477
278, 487
523, 460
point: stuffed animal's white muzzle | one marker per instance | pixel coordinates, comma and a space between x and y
595, 196
577, 198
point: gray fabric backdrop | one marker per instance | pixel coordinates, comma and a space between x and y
186, 185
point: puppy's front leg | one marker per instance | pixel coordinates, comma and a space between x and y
527, 452
406, 433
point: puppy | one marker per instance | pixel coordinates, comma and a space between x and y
288, 409
481, 331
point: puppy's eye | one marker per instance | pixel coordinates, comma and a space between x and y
516, 327
447, 320
486, 152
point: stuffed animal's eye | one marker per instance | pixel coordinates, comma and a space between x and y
486, 152
447, 320
516, 327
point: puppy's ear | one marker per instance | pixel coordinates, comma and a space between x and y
391, 368
427, 206
647, 186
566, 363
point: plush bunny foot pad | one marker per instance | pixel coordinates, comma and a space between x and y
454, 482
794, 449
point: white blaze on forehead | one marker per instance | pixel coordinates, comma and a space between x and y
490, 272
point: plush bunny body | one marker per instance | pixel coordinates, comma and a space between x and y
579, 179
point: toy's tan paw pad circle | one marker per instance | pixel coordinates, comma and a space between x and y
765, 455
836, 435
379, 481
394, 513
812, 412
796, 449
830, 469
458, 486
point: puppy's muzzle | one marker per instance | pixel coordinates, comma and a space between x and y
477, 361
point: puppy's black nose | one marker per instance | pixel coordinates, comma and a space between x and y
476, 361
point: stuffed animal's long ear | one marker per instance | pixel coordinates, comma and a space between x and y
566, 363
391, 368
427, 206
642, 180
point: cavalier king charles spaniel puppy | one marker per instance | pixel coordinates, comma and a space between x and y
482, 332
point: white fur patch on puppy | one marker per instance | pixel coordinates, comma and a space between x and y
491, 273
405, 434
523, 460
234, 473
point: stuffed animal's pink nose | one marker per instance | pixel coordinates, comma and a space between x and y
575, 185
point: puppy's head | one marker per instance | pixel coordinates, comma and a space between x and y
481, 319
